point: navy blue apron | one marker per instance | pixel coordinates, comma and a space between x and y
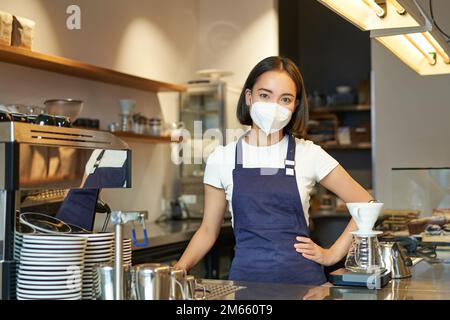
268, 216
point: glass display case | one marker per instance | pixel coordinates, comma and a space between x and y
202, 109
208, 108
424, 189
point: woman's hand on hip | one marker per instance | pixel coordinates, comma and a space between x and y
307, 248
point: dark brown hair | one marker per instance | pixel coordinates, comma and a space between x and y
299, 121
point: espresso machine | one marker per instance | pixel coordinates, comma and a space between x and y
58, 171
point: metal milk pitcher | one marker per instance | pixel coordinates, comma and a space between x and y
177, 284
152, 281
396, 260
104, 288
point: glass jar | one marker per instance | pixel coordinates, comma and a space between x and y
126, 122
154, 126
139, 125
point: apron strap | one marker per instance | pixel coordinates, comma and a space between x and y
289, 162
238, 155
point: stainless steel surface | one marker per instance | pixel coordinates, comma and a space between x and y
3, 215
213, 291
105, 289
428, 282
64, 107
177, 284
189, 287
1, 278
54, 157
395, 260
152, 281
44, 167
119, 218
49, 135
118, 262
2, 166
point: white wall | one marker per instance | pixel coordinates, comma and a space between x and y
234, 35
159, 39
411, 114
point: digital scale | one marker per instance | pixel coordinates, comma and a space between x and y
344, 277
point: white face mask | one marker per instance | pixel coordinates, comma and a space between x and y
270, 117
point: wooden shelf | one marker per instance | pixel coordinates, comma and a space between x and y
82, 70
340, 109
361, 146
130, 136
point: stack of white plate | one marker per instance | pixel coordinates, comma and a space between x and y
50, 267
99, 250
18, 238
127, 251
17, 248
17, 245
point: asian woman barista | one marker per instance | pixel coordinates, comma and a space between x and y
266, 177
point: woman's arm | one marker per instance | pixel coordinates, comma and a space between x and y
345, 187
206, 235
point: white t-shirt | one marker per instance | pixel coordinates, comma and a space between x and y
312, 164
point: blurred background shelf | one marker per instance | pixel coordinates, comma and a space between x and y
79, 69
130, 136
362, 146
352, 108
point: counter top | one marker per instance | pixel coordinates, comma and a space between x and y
168, 231
330, 214
428, 282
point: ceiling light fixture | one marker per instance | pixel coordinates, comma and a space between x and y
423, 49
376, 14
403, 27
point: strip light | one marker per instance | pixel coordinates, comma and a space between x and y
398, 7
420, 51
420, 43
403, 27
376, 14
379, 11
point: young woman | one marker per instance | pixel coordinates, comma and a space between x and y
266, 177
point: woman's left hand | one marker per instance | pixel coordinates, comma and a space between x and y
314, 252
